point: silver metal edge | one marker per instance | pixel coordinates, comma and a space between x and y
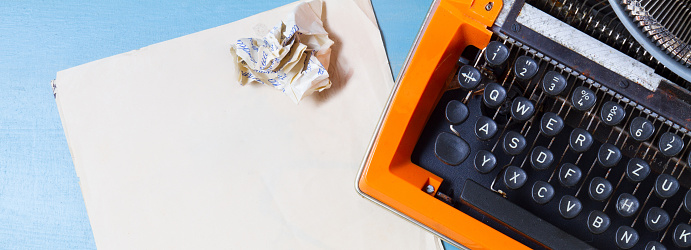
587, 46
507, 5
431, 10
642, 39
440, 244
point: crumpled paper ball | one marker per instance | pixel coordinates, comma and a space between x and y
293, 57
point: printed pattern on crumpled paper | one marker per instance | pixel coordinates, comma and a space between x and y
293, 57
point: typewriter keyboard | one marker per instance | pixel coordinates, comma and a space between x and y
533, 148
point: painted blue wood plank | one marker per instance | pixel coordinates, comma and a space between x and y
448, 246
399, 22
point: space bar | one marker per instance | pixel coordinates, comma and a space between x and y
518, 218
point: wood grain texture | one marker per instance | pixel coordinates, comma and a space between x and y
41, 205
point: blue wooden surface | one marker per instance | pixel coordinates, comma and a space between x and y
41, 205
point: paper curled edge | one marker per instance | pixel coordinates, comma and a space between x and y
293, 57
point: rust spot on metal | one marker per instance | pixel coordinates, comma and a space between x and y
670, 95
586, 73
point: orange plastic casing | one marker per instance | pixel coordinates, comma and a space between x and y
388, 176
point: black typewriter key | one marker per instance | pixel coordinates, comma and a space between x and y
525, 68
682, 235
569, 206
583, 98
551, 124
494, 95
687, 201
608, 155
514, 177
496, 53
627, 205
600, 189
580, 140
641, 129
627, 237
519, 219
670, 144
541, 158
456, 112
468, 77
656, 219
514, 143
598, 222
451, 149
569, 174
637, 169
485, 161
522, 108
542, 192
485, 128
553, 83
654, 245
612, 113
666, 186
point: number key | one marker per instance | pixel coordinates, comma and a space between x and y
641, 129
496, 53
553, 83
525, 68
670, 144
583, 98
612, 113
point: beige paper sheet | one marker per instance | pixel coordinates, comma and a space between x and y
173, 154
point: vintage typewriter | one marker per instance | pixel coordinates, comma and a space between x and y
561, 124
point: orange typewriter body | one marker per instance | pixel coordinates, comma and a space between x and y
615, 125
388, 176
